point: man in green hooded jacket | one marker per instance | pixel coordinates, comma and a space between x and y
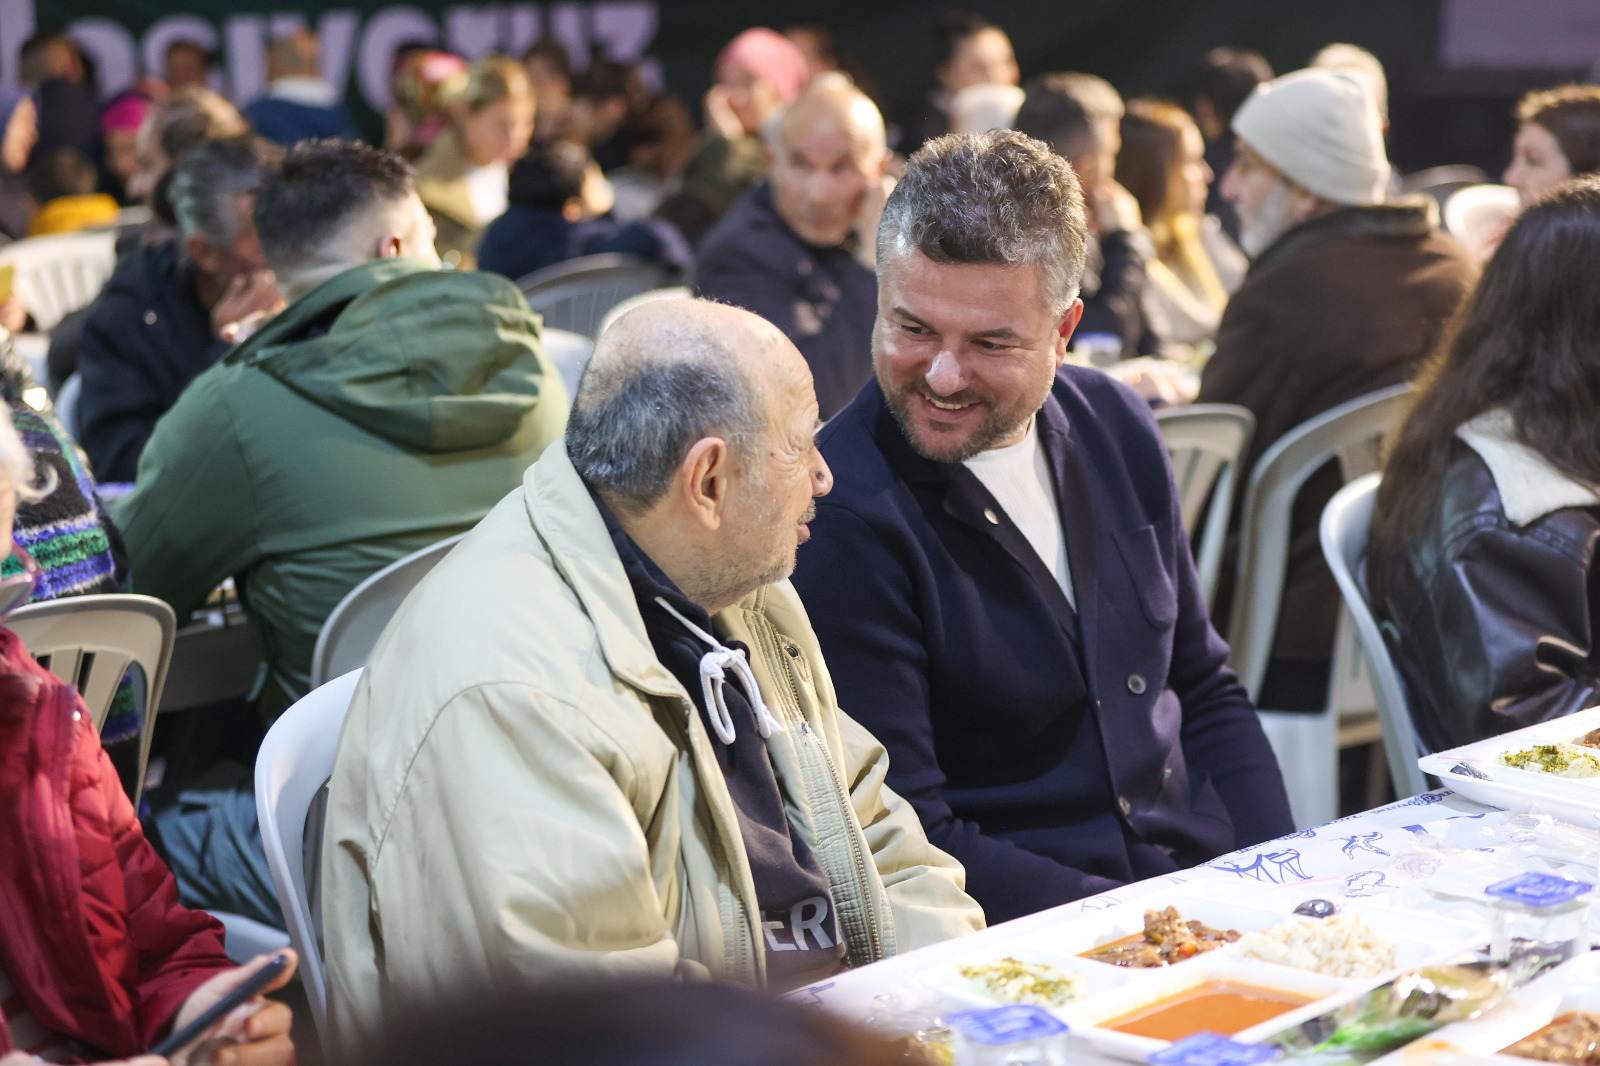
389, 406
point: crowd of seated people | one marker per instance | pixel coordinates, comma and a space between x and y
608, 734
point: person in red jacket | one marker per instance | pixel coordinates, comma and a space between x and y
98, 960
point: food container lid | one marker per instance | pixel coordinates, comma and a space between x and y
1006, 1025
1213, 1049
1534, 889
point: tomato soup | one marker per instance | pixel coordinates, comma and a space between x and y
1225, 1007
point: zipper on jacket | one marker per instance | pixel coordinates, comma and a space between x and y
869, 904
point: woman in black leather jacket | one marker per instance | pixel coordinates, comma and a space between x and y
1481, 557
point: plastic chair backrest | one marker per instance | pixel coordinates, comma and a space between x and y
66, 403
1350, 433
354, 626
671, 292
1344, 526
89, 642
295, 761
1206, 442
60, 273
576, 295
569, 352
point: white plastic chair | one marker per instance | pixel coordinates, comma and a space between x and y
295, 761
1206, 442
1344, 526
569, 352
60, 273
90, 641
672, 292
577, 294
353, 628
1306, 742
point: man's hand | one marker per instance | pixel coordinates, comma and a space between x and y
869, 216
720, 115
1113, 208
246, 295
254, 1034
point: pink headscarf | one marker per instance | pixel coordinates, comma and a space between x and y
125, 112
767, 55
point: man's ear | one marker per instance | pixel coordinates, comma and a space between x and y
705, 473
391, 245
1064, 329
572, 210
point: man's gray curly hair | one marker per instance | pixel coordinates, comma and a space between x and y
995, 197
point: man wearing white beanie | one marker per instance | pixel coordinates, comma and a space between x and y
1346, 294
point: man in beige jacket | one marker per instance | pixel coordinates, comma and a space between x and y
600, 738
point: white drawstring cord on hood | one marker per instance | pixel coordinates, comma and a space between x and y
714, 666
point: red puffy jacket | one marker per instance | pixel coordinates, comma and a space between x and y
91, 930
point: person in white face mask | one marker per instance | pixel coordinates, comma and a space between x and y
1346, 294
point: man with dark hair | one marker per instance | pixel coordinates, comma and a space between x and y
1001, 580
1080, 115
61, 184
1224, 80
387, 407
170, 308
185, 65
610, 698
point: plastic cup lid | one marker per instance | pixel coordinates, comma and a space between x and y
1538, 890
1213, 1049
1006, 1025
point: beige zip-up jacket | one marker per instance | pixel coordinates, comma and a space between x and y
523, 791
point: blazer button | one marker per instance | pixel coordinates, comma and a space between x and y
1127, 808
1136, 684
994, 519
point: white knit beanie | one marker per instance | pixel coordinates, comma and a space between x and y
1321, 128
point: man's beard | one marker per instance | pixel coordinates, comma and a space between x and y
997, 425
1271, 220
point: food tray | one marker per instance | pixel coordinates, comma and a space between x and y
1572, 986
1572, 800
1111, 991
1084, 1018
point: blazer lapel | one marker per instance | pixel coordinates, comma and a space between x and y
1078, 523
964, 498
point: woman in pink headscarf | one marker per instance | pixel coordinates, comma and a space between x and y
757, 72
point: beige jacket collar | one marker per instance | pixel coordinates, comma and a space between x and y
566, 519
1529, 486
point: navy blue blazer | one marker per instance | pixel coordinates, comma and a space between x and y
1055, 752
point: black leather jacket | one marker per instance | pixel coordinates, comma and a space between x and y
1492, 625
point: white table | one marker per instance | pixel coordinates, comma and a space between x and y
1382, 855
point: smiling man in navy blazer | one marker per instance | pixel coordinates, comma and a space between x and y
1001, 580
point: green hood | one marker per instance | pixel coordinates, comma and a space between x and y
433, 360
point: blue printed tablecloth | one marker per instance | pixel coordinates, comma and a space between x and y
1384, 855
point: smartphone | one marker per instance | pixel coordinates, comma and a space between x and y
247, 991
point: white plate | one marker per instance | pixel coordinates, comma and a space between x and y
1572, 986
1419, 939
1574, 800
947, 977
1084, 1018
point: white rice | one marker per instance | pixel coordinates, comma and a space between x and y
1341, 946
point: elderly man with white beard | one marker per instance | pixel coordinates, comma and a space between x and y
1346, 294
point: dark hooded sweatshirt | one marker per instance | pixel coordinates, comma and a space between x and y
382, 411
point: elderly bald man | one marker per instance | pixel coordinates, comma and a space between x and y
798, 250
600, 737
